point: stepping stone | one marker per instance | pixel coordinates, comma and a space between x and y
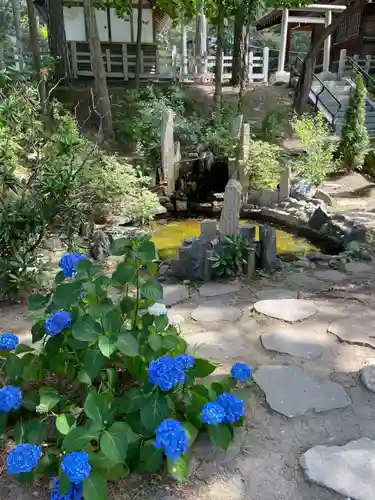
304, 280
330, 275
173, 294
209, 312
276, 293
294, 341
290, 310
348, 470
218, 345
368, 377
292, 392
216, 289
356, 329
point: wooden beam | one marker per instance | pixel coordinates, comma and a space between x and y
320, 8
306, 20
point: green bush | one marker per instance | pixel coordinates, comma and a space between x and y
276, 124
53, 179
318, 159
106, 375
232, 256
263, 166
354, 141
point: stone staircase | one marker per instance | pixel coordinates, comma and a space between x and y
331, 96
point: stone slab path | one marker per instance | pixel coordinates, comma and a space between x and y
290, 310
296, 341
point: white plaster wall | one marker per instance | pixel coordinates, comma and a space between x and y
75, 24
147, 29
120, 28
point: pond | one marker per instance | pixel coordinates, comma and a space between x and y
168, 237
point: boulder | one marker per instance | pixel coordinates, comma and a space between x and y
318, 218
325, 197
303, 190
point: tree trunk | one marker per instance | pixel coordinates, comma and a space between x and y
237, 46
219, 58
57, 39
138, 50
200, 40
307, 72
244, 69
101, 89
18, 30
34, 42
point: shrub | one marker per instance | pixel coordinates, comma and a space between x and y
276, 123
111, 389
319, 146
232, 256
354, 138
263, 165
53, 179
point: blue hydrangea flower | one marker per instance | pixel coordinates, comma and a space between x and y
8, 341
233, 406
171, 437
185, 361
23, 458
75, 492
213, 413
240, 371
10, 398
76, 466
57, 322
166, 373
68, 263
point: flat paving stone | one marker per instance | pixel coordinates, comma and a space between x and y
215, 289
356, 329
276, 293
303, 280
292, 392
173, 294
348, 470
368, 377
330, 275
294, 341
212, 311
359, 267
290, 310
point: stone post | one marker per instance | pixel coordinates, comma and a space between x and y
266, 58
207, 268
167, 151
284, 184
327, 42
208, 230
267, 238
230, 214
342, 61
237, 126
243, 157
283, 40
248, 232
251, 264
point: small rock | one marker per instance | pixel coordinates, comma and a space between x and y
173, 294
318, 257
303, 190
303, 262
339, 264
365, 255
357, 233
368, 377
353, 246
186, 282
318, 219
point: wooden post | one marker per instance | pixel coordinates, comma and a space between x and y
342, 61
125, 61
142, 63
266, 58
368, 63
73, 56
251, 66
356, 58
157, 63
108, 60
222, 69
174, 61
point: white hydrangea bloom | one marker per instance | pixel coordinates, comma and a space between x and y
157, 309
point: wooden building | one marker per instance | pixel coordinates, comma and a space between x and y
118, 37
356, 34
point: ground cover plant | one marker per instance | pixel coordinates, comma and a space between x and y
108, 386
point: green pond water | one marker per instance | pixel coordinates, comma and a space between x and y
168, 237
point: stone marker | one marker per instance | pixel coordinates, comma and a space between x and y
355, 329
173, 294
208, 230
248, 231
207, 268
348, 470
292, 392
251, 264
237, 126
284, 185
231, 209
209, 312
294, 341
318, 218
216, 289
167, 150
267, 238
290, 310
368, 376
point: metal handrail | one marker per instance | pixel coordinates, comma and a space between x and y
324, 88
369, 81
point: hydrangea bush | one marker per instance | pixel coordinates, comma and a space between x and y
108, 387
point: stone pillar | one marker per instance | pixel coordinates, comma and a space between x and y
283, 40
208, 230
248, 232
167, 151
327, 42
230, 214
251, 264
284, 184
243, 157
267, 238
266, 58
342, 61
183, 65
237, 126
201, 41
207, 268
